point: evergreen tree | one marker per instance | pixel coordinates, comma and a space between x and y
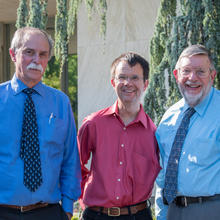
22, 13
179, 23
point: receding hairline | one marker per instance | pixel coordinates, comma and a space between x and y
21, 35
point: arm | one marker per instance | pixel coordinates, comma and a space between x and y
160, 208
85, 138
70, 175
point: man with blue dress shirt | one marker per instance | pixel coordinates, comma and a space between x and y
48, 194
197, 192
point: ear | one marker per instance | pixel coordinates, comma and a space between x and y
113, 83
175, 73
146, 83
213, 74
12, 55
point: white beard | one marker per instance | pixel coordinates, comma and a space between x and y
192, 99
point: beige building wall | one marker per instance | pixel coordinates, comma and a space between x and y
130, 25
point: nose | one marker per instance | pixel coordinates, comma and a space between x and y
193, 75
36, 58
127, 80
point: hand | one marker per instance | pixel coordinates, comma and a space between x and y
69, 215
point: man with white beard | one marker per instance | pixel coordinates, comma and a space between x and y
39, 161
189, 140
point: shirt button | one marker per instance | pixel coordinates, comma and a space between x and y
122, 145
124, 128
121, 163
119, 180
117, 197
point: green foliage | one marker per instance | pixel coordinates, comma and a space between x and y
89, 6
22, 13
72, 16
103, 11
51, 78
61, 44
37, 14
179, 23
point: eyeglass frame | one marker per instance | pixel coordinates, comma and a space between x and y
133, 79
196, 72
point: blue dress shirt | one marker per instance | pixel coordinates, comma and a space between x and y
58, 147
199, 165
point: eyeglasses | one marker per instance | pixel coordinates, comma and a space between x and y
133, 79
199, 72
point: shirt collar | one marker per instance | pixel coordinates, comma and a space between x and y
18, 86
201, 107
141, 117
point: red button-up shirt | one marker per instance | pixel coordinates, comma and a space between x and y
124, 158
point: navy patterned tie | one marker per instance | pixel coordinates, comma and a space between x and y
170, 187
30, 153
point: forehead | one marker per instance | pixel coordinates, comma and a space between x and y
201, 61
36, 41
124, 68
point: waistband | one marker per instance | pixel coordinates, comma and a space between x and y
117, 211
184, 201
28, 207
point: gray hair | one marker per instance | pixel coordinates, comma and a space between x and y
19, 38
196, 49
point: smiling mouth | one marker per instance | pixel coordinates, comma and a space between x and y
34, 69
126, 91
192, 86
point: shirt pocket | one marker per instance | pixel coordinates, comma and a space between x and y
53, 131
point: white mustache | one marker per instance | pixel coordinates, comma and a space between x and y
35, 66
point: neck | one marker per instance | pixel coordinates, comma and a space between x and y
128, 111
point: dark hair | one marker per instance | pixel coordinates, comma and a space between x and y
132, 59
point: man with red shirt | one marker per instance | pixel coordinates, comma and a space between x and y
123, 146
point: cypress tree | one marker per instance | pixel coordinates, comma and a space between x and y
22, 13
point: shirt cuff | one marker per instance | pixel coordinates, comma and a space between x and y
67, 204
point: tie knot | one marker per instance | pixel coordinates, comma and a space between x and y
189, 112
28, 91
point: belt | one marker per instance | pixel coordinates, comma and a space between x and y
117, 211
26, 208
184, 201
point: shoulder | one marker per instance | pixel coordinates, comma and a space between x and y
95, 119
172, 111
5, 87
52, 92
5, 84
97, 116
214, 106
216, 96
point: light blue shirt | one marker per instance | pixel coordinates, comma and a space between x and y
58, 147
199, 165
